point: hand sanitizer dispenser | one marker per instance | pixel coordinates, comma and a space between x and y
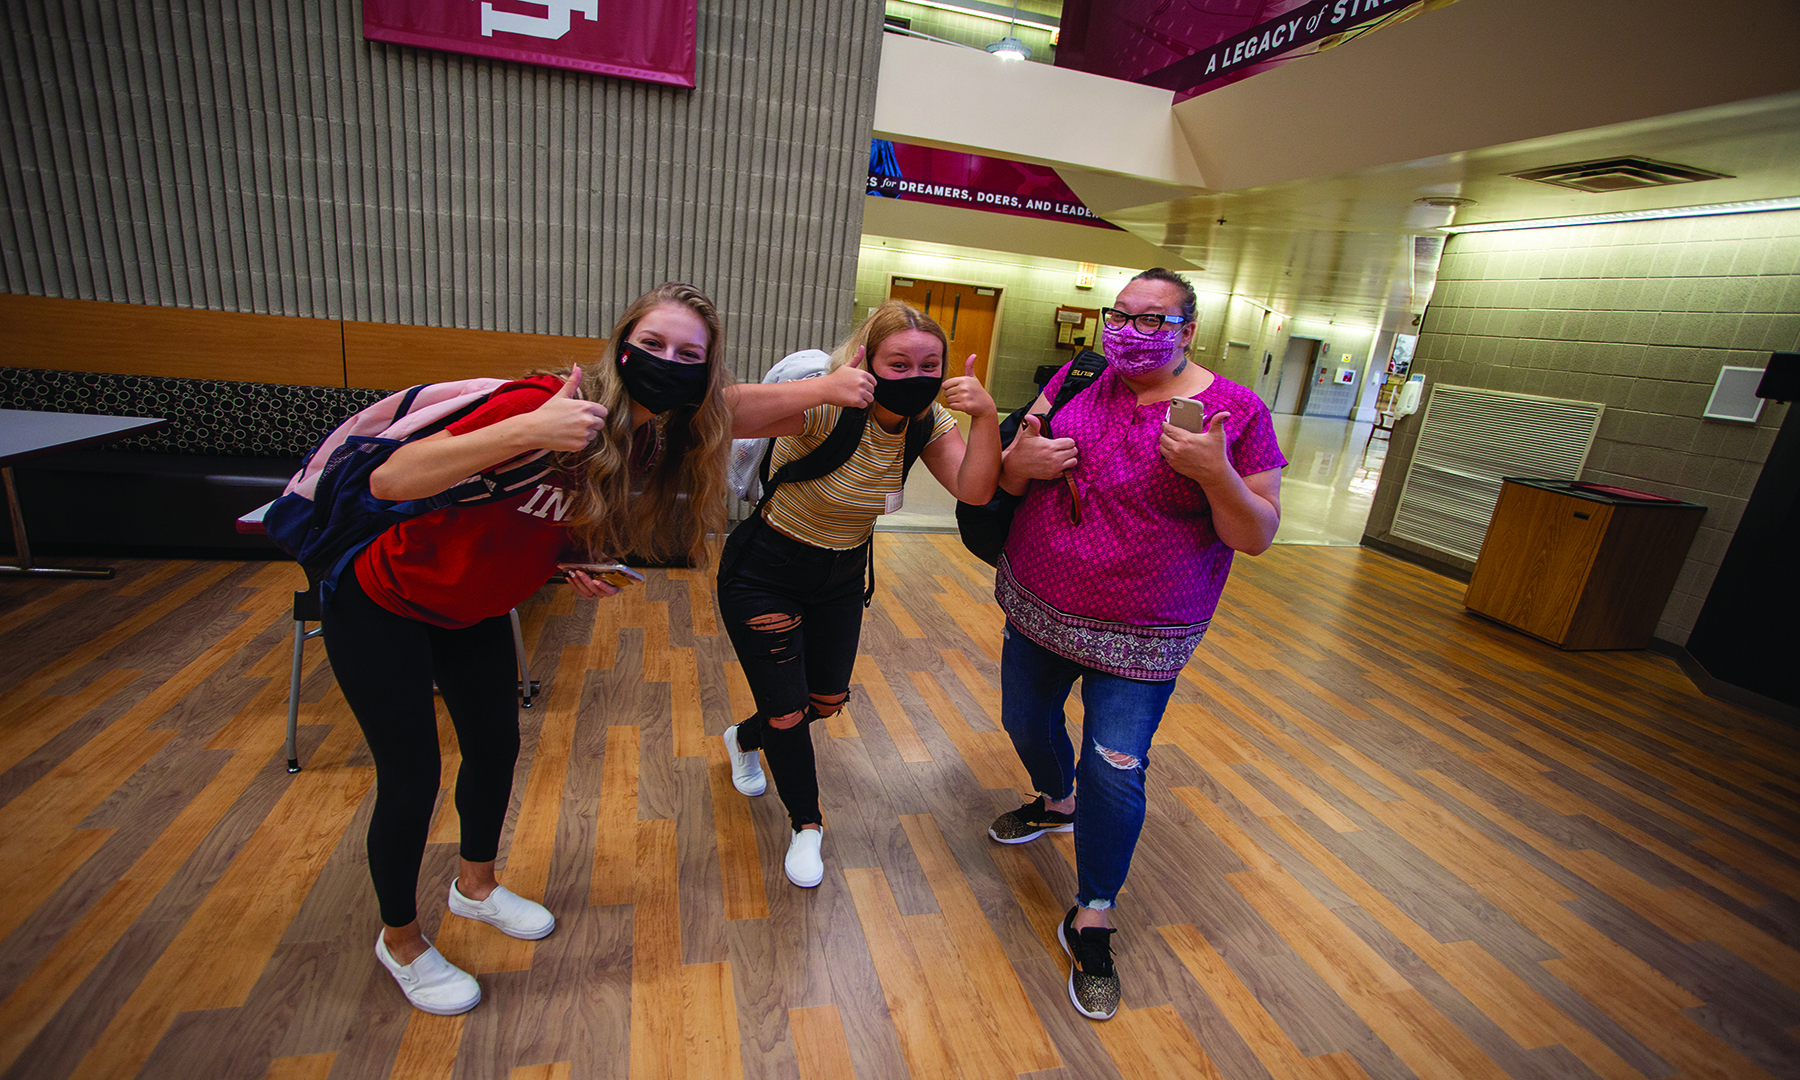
1410, 395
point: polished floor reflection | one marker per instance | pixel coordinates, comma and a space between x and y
1333, 467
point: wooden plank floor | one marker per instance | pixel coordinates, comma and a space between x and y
1385, 839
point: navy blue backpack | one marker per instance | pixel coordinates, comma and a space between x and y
327, 513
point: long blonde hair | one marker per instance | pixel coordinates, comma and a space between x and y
892, 317
656, 523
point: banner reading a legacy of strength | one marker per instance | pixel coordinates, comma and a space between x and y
1192, 48
650, 40
1282, 35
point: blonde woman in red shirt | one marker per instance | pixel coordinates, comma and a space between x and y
638, 443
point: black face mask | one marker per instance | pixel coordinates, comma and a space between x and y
660, 385
907, 397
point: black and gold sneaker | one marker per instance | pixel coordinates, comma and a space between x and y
1029, 822
1093, 982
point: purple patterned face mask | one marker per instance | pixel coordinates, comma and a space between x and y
1131, 354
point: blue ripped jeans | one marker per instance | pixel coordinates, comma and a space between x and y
1121, 716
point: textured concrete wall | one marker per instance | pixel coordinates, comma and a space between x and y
263, 157
1639, 316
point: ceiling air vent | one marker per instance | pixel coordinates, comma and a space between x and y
1619, 174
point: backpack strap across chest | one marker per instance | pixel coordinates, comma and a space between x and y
823, 460
984, 526
1085, 368
837, 449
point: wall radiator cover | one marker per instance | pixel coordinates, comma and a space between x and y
1469, 439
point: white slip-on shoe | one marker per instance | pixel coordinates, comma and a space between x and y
746, 767
432, 983
506, 911
804, 865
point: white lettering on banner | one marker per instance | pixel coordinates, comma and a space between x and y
879, 184
559, 502
552, 25
1230, 54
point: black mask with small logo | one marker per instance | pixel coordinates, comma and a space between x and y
660, 385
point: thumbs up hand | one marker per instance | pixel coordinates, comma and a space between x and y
566, 421
964, 393
1035, 457
1199, 456
850, 386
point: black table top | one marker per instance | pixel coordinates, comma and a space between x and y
25, 435
1603, 493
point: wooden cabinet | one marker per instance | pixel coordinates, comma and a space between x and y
1580, 569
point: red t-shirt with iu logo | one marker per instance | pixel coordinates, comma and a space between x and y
458, 565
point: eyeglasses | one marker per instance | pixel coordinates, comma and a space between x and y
1149, 322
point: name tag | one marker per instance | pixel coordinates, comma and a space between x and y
895, 500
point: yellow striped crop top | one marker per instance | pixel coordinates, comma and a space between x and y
838, 510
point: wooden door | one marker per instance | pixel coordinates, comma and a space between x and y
966, 312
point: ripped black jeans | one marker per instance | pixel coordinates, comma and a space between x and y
794, 614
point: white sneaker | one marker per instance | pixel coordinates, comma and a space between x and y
432, 983
804, 865
746, 767
506, 910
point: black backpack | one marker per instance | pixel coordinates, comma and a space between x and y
826, 458
984, 526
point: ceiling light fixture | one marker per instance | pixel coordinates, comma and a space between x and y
1756, 206
1010, 47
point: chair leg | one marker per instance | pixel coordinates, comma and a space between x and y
527, 686
293, 727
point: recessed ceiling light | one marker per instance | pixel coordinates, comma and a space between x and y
1756, 206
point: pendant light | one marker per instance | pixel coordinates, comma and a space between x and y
1010, 47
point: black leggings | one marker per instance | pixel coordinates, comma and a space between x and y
794, 615
385, 664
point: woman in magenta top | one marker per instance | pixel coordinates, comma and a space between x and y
1110, 575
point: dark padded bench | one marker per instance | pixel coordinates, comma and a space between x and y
229, 448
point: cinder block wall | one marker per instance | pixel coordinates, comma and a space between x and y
1639, 316
262, 157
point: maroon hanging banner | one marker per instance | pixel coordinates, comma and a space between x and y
1287, 34
649, 40
952, 178
1192, 48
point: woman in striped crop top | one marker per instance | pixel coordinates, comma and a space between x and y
791, 591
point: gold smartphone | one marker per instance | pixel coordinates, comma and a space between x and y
1187, 413
613, 573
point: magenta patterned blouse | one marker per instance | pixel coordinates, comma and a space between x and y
1131, 590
